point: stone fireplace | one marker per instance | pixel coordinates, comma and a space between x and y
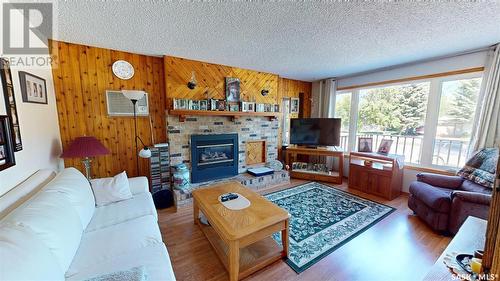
213, 157
249, 130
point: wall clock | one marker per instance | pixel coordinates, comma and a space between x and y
123, 69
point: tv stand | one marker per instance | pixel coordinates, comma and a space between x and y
331, 176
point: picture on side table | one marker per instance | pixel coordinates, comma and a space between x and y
365, 144
232, 89
33, 88
385, 146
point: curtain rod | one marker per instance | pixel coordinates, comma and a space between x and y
467, 52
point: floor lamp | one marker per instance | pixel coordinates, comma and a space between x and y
134, 96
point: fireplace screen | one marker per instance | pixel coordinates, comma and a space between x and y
214, 154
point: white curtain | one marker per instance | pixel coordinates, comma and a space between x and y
324, 98
486, 133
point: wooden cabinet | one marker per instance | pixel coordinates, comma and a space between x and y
376, 174
291, 153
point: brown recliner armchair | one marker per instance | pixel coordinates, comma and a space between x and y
444, 202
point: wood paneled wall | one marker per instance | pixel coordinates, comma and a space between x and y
211, 81
82, 74
289, 88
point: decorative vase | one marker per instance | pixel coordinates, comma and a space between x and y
181, 176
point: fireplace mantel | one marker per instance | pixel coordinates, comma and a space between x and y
233, 114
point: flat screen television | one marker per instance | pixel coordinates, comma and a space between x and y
315, 131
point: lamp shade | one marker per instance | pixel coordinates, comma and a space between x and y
85, 147
133, 94
145, 153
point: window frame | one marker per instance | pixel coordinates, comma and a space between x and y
431, 116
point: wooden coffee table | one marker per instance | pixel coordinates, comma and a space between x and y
242, 238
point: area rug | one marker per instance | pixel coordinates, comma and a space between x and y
323, 219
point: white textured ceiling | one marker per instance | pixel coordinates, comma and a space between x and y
304, 40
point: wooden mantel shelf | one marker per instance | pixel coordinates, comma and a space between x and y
233, 114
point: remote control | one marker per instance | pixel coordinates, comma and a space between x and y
228, 196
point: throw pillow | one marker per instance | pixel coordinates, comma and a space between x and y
109, 190
481, 167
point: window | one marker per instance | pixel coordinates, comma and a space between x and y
343, 111
457, 109
430, 121
397, 113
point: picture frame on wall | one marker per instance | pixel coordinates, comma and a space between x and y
7, 158
294, 105
10, 104
365, 144
33, 88
232, 89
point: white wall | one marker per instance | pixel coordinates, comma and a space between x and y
39, 132
472, 60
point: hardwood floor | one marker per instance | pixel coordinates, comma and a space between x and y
400, 247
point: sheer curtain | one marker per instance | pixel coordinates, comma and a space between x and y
324, 98
486, 133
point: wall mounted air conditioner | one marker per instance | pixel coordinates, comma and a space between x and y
119, 105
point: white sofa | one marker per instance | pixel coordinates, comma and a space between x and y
50, 229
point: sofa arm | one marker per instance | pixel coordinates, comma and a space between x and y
465, 204
472, 197
450, 182
139, 185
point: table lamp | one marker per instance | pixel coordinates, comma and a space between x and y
85, 147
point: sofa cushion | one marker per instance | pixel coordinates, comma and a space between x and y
438, 199
139, 185
54, 221
139, 205
474, 187
76, 188
154, 258
24, 257
115, 241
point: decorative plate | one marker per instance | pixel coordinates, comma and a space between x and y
123, 69
275, 165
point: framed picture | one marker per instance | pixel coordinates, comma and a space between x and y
385, 146
232, 89
212, 104
203, 105
233, 106
276, 108
10, 104
33, 88
294, 105
259, 107
365, 144
7, 158
247, 106
221, 105
180, 104
194, 105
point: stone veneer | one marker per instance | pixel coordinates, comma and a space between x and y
255, 128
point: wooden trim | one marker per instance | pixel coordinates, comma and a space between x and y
429, 170
491, 258
413, 78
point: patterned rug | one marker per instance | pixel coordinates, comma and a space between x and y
323, 219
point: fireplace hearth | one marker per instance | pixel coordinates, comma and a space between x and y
213, 157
